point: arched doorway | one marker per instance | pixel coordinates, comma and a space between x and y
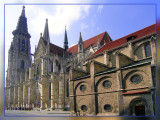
138, 107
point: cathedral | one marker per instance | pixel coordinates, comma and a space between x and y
97, 76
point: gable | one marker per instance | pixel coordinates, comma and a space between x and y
103, 38
40, 48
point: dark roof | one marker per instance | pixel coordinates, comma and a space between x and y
92, 41
121, 41
56, 50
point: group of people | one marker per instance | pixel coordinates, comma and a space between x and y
19, 108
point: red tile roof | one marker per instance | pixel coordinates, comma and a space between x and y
141, 33
56, 50
137, 92
92, 41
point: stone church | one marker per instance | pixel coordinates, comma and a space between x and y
118, 79
97, 76
43, 82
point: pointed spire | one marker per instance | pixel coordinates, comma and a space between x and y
80, 44
22, 24
46, 32
80, 38
23, 12
65, 40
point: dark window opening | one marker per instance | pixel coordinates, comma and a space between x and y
147, 48
131, 38
139, 110
50, 91
23, 45
83, 88
67, 88
84, 108
22, 64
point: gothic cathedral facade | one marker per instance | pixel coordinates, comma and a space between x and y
97, 76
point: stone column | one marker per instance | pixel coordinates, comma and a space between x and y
9, 97
106, 58
20, 91
25, 95
71, 94
15, 96
152, 42
20, 95
31, 87
61, 91
45, 85
130, 50
54, 91
92, 83
119, 87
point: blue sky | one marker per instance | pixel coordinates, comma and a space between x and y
90, 20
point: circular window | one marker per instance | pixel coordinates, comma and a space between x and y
108, 108
84, 108
83, 88
106, 84
136, 79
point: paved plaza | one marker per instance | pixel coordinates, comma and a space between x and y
32, 113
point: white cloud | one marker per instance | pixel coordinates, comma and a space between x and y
84, 26
100, 7
58, 16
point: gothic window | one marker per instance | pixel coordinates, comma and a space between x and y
136, 79
84, 108
50, 91
23, 45
67, 88
108, 107
22, 64
147, 48
83, 88
106, 84
58, 66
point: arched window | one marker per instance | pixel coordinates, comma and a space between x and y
23, 45
147, 48
67, 88
22, 64
50, 91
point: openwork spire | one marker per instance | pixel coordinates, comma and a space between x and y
65, 40
46, 32
22, 24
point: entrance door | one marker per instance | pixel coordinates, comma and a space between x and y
140, 110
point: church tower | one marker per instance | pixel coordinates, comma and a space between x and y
80, 48
65, 40
19, 59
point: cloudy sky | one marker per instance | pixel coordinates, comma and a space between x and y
90, 20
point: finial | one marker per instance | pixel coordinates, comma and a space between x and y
40, 34
46, 19
23, 7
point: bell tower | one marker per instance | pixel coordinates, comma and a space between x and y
19, 53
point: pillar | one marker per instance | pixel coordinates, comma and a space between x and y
45, 85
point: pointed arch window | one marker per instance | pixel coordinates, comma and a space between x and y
22, 64
23, 45
67, 88
147, 48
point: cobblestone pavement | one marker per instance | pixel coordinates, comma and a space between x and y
32, 113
